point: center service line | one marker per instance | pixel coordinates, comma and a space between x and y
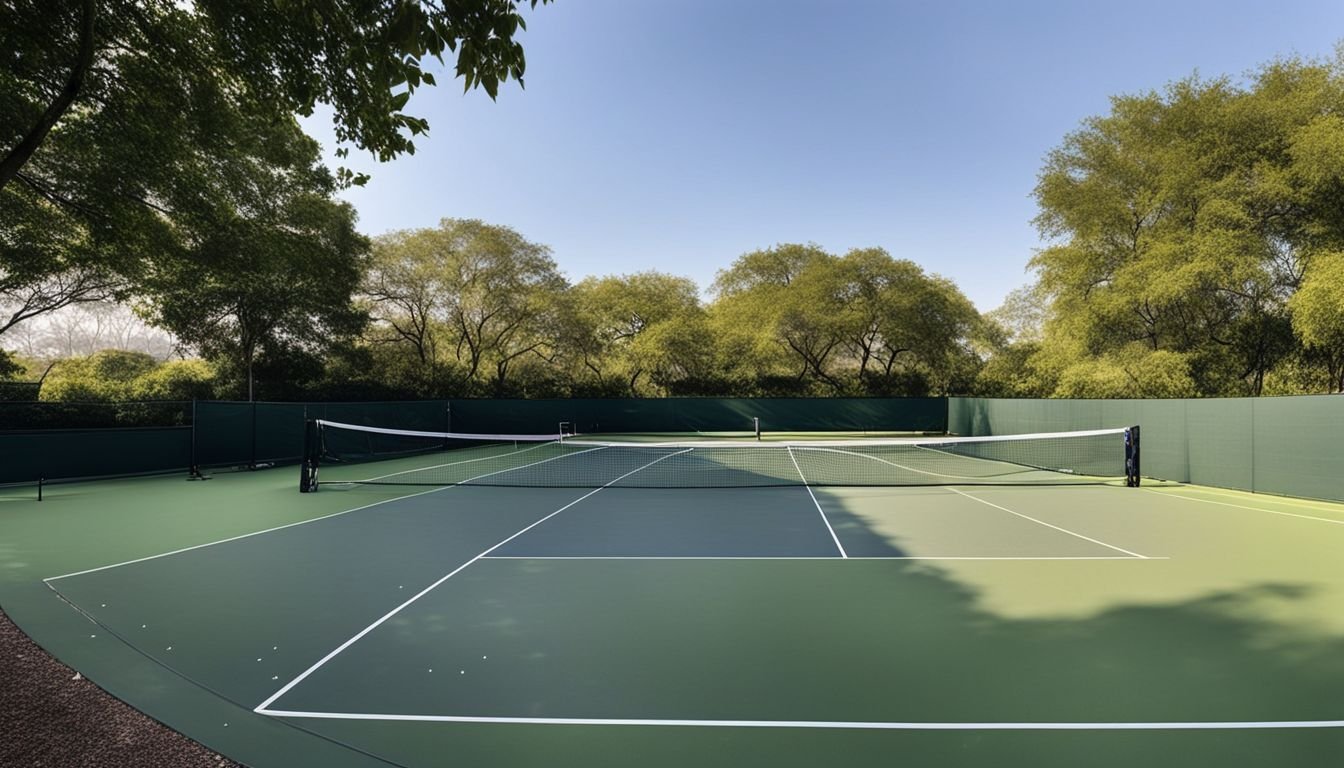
824, 519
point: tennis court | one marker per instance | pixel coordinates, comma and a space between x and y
788, 615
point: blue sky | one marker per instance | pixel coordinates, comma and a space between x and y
678, 134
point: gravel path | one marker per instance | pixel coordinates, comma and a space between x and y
49, 716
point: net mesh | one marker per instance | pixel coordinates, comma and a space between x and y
341, 453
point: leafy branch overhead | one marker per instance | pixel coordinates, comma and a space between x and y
366, 58
363, 58
136, 133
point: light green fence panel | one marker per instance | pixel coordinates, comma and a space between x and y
1283, 445
1298, 446
1218, 435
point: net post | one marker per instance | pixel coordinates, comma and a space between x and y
252, 450
39, 488
194, 471
1132, 454
308, 464
756, 426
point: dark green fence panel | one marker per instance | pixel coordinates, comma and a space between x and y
63, 454
223, 434
244, 434
279, 432
690, 415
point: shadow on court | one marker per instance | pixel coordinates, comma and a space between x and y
727, 644
817, 639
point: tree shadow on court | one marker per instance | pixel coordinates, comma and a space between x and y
894, 640
905, 641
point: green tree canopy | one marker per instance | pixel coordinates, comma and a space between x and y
266, 271
638, 334
1183, 221
468, 301
105, 376
861, 323
1318, 315
117, 119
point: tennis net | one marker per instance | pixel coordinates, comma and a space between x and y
345, 453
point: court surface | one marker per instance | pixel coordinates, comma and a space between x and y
948, 625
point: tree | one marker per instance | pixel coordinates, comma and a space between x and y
364, 59
107, 376
267, 267
900, 320
861, 323
1184, 222
776, 322
648, 325
113, 115
479, 296
1318, 315
405, 292
1022, 315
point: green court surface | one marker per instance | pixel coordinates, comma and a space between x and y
786, 626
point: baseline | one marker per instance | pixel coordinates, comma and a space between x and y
803, 557
830, 724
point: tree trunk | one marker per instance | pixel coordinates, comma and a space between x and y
16, 159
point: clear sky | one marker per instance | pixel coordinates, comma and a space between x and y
678, 134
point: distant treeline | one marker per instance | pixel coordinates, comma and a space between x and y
1194, 247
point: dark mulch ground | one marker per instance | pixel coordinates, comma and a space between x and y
51, 717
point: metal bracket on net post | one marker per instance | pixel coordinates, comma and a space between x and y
1132, 466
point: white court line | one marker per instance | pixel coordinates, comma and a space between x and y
431, 587
1212, 725
1126, 558
290, 525
1267, 498
964, 456
892, 463
1048, 525
824, 519
236, 538
1243, 506
501, 454
535, 463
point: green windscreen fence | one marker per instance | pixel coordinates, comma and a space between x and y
242, 433
690, 415
55, 454
77, 440
1282, 445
